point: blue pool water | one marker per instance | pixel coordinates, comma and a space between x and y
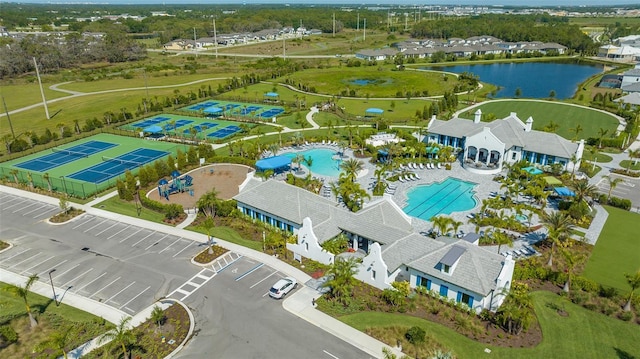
323, 163
446, 197
521, 217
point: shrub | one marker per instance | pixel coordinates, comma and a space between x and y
585, 284
392, 296
626, 316
170, 211
8, 334
607, 292
620, 203
402, 287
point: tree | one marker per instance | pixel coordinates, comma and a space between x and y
552, 94
601, 133
613, 183
516, 312
351, 168
633, 155
121, 335
279, 129
23, 292
634, 283
47, 178
577, 131
502, 238
59, 340
64, 204
207, 203
583, 189
416, 336
388, 354
208, 225
571, 261
341, 280
558, 226
157, 316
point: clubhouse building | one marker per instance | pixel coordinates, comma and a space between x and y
487, 145
382, 236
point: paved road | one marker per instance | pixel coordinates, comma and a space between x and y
236, 318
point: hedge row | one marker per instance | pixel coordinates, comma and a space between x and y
171, 210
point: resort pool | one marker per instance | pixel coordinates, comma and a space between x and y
446, 197
323, 163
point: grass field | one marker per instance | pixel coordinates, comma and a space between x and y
616, 251
543, 112
117, 205
82, 189
381, 81
581, 334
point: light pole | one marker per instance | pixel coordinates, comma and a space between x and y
55, 297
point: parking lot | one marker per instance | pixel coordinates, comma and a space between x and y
124, 266
627, 188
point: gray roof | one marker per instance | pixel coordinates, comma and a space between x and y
632, 72
511, 131
452, 256
477, 268
634, 87
632, 98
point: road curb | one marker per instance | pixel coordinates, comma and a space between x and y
192, 325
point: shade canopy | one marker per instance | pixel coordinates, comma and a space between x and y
273, 163
564, 191
377, 111
175, 173
163, 181
271, 94
552, 181
213, 110
153, 129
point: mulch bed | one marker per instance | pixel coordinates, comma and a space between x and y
64, 217
205, 257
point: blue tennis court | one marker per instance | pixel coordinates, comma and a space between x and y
114, 167
201, 127
150, 122
248, 110
224, 132
179, 123
272, 112
203, 105
63, 156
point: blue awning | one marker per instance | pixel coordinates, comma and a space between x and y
377, 111
273, 163
383, 152
271, 94
213, 109
564, 191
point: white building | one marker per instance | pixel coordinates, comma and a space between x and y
382, 235
487, 145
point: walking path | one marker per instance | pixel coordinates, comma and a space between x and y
299, 304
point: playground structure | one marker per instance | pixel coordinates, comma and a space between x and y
177, 184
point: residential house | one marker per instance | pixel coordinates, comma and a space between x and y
383, 237
487, 145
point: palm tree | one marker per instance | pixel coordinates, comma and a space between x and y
23, 292
47, 178
516, 313
342, 281
207, 203
633, 154
351, 168
577, 131
266, 174
634, 283
571, 261
415, 335
440, 224
574, 161
61, 128
208, 225
279, 129
14, 173
122, 335
613, 183
501, 238
157, 316
583, 189
558, 226
601, 133
59, 340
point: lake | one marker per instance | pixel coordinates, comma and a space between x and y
535, 79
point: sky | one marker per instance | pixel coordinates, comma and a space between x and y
528, 3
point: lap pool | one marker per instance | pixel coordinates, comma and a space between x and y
323, 162
446, 197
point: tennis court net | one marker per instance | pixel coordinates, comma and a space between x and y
128, 164
67, 152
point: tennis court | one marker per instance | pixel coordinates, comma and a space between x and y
178, 124
202, 106
230, 108
61, 156
114, 167
150, 122
201, 127
224, 132
87, 166
272, 112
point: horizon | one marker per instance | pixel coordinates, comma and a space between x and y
514, 3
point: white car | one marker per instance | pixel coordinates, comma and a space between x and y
282, 287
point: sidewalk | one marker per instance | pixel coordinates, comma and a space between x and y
299, 304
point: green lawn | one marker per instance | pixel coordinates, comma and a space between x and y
616, 251
630, 164
599, 157
229, 235
543, 112
581, 334
116, 205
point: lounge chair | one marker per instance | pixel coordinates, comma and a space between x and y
416, 176
429, 166
439, 167
421, 166
408, 178
401, 179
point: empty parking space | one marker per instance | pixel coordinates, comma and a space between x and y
254, 278
626, 188
27, 208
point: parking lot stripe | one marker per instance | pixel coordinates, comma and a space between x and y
182, 250
331, 355
89, 219
47, 270
17, 254
68, 270
13, 205
163, 237
24, 214
131, 235
147, 236
182, 292
90, 228
122, 290
68, 282
103, 288
37, 264
263, 279
118, 232
25, 207
132, 299
106, 229
45, 213
95, 279
249, 271
169, 246
24, 260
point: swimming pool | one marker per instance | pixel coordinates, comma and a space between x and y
446, 197
323, 163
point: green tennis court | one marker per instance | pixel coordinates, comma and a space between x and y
187, 127
84, 167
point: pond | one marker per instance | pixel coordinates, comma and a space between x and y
534, 79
